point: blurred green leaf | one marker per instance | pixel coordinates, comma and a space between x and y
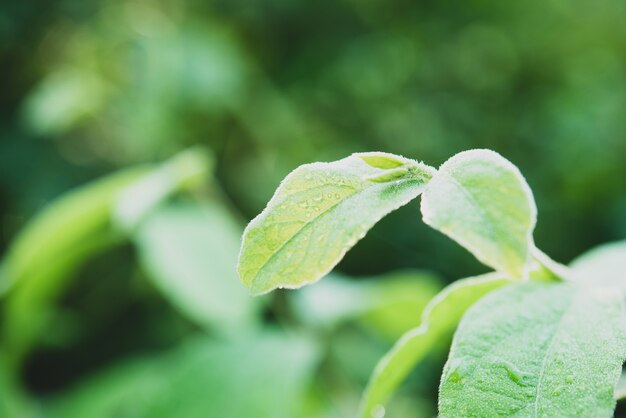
190, 252
439, 320
65, 230
537, 349
73, 228
186, 170
603, 265
263, 376
389, 304
482, 201
14, 402
620, 387
44, 255
316, 215
63, 99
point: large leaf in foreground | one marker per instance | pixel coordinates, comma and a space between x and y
537, 349
438, 321
480, 199
319, 212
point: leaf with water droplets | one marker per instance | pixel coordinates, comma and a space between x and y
318, 213
480, 199
438, 321
537, 349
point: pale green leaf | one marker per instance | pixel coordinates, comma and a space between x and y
389, 304
481, 200
438, 322
620, 388
384, 160
201, 378
603, 265
190, 251
317, 214
545, 268
64, 98
185, 170
534, 350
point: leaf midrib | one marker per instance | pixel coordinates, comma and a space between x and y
553, 338
474, 203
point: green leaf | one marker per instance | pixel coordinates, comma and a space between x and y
389, 304
65, 230
53, 245
72, 229
14, 402
481, 200
537, 349
317, 214
201, 378
384, 160
603, 265
620, 388
438, 321
186, 170
189, 251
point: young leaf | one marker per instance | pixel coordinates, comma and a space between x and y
603, 265
438, 321
384, 160
318, 213
481, 200
537, 349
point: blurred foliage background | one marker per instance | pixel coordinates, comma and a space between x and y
137, 138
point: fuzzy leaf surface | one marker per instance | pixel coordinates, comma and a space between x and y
534, 350
603, 265
439, 319
481, 200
